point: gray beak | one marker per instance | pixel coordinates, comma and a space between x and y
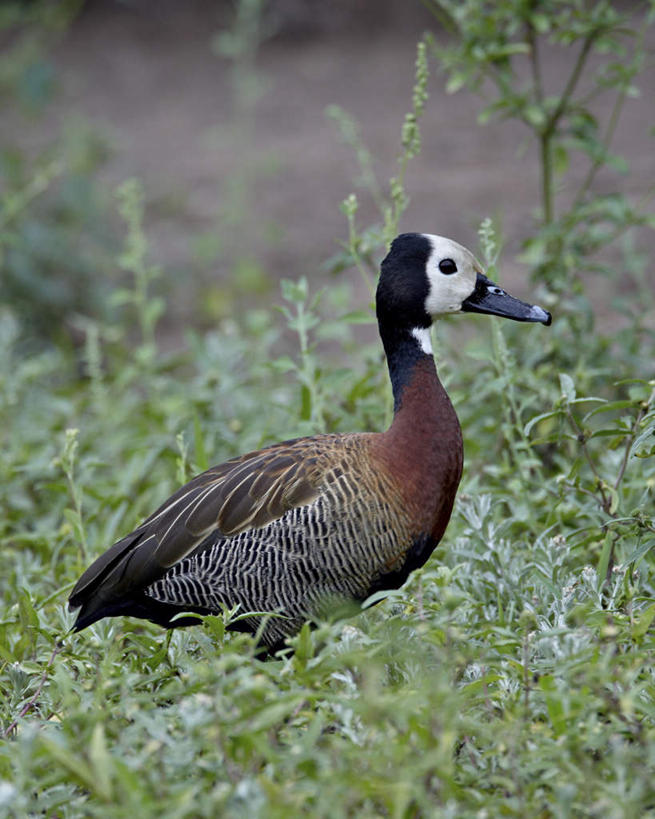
489, 298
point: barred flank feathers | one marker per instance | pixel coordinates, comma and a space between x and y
332, 547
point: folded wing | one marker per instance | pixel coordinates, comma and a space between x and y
244, 493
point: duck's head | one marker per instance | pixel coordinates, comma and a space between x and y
424, 277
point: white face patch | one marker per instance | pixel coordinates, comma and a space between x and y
422, 335
449, 289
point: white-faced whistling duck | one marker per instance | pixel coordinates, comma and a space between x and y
338, 516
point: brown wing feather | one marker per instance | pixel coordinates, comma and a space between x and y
246, 492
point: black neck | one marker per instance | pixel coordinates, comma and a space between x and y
404, 353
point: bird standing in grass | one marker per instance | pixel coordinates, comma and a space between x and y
291, 528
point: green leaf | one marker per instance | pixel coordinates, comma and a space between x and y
554, 704
639, 552
544, 415
604, 559
456, 82
306, 403
101, 762
644, 444
269, 716
560, 159
613, 406
641, 626
283, 363
567, 386
358, 317
535, 116
28, 616
199, 444
295, 291
79, 769
378, 596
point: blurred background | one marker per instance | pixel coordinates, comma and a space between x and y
171, 171
226, 112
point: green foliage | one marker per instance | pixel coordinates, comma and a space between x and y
146, 307
497, 49
363, 246
512, 675
54, 234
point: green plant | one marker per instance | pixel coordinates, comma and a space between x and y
497, 49
512, 675
364, 245
53, 234
147, 307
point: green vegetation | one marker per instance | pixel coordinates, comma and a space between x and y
513, 675
55, 246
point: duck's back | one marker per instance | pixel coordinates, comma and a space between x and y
283, 530
337, 546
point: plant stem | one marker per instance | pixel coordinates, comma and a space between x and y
30, 703
571, 84
547, 133
546, 157
599, 161
633, 434
605, 502
534, 62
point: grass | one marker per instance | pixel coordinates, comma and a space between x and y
511, 676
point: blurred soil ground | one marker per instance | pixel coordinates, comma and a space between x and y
146, 76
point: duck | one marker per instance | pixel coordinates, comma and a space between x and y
283, 533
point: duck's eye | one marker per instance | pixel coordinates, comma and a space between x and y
447, 267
